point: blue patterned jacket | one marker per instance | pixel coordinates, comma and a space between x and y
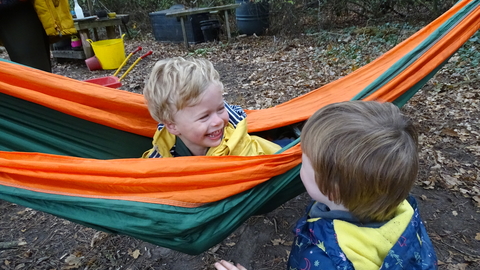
401, 243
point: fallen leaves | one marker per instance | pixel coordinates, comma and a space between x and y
98, 237
73, 261
458, 266
135, 254
283, 242
259, 73
477, 200
277, 242
451, 181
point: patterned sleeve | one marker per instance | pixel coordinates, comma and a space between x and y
235, 114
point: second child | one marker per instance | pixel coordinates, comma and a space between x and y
359, 164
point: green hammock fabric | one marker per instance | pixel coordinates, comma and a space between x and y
29, 127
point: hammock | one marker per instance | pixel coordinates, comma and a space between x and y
71, 148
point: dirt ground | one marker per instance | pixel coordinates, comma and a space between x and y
258, 73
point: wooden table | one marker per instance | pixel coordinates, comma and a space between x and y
184, 13
83, 27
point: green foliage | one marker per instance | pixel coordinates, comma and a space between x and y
469, 53
355, 47
200, 52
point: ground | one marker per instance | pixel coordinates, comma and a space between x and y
259, 72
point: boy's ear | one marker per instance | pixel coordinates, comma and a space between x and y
172, 128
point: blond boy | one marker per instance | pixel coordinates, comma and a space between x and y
186, 97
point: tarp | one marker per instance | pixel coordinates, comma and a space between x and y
71, 148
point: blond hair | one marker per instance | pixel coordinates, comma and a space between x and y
364, 155
177, 83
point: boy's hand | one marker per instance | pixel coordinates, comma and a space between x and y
224, 265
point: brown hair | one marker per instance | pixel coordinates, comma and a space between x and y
177, 83
364, 155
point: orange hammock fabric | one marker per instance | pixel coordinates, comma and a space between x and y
185, 203
127, 111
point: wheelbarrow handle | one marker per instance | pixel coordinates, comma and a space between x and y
135, 63
145, 55
126, 60
138, 49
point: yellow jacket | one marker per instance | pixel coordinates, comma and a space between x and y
55, 17
236, 142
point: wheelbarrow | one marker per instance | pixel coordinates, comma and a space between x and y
113, 81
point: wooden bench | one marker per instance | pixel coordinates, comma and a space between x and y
182, 14
83, 28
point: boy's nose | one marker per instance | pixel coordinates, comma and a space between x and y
217, 120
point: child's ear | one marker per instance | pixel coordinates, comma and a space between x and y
172, 128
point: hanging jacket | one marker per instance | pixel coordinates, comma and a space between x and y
55, 16
400, 243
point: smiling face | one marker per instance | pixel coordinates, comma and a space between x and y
201, 126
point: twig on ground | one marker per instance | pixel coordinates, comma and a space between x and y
275, 223
459, 250
12, 244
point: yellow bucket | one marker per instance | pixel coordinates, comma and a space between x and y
110, 52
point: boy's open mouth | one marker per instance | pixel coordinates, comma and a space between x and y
216, 134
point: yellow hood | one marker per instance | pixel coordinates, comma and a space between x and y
236, 142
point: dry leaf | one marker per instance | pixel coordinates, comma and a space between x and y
288, 243
460, 266
477, 199
231, 244
97, 237
277, 242
450, 132
440, 158
450, 181
135, 254
214, 249
477, 237
473, 148
73, 261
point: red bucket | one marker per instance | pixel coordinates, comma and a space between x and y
93, 63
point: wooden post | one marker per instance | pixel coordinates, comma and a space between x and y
227, 25
185, 40
90, 7
87, 47
110, 32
